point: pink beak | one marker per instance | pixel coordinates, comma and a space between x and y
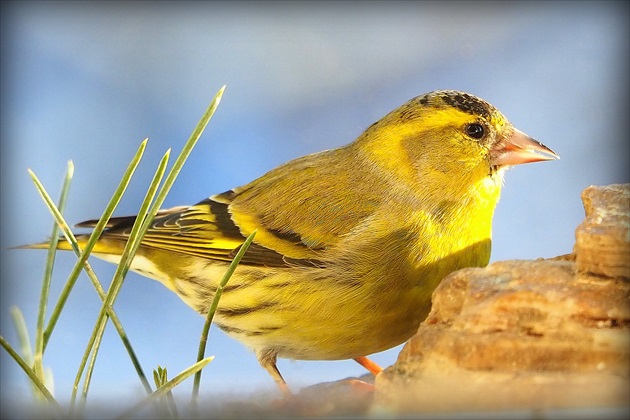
520, 148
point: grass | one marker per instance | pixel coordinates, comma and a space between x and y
31, 358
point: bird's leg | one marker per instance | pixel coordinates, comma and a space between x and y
267, 359
369, 365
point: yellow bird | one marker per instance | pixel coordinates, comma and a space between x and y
350, 242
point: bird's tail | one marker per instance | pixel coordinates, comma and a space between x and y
102, 246
107, 244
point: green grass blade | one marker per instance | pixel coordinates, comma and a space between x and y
98, 229
213, 308
38, 364
31, 374
188, 147
28, 354
119, 275
135, 240
90, 369
22, 332
166, 388
60, 221
168, 405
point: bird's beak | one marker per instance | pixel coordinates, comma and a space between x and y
520, 148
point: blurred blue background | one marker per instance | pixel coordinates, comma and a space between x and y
87, 82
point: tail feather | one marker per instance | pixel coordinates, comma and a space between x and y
122, 222
61, 245
106, 244
103, 246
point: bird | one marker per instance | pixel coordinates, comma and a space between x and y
350, 242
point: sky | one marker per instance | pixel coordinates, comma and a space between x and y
87, 82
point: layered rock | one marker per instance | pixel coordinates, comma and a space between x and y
601, 241
543, 334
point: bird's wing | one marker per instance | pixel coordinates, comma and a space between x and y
299, 211
204, 230
305, 208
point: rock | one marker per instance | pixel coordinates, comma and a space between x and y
526, 335
602, 241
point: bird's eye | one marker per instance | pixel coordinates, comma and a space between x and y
476, 131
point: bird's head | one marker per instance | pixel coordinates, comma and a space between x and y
449, 137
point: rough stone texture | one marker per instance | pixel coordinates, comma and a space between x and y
602, 243
543, 334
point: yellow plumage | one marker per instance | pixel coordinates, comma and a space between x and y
350, 242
